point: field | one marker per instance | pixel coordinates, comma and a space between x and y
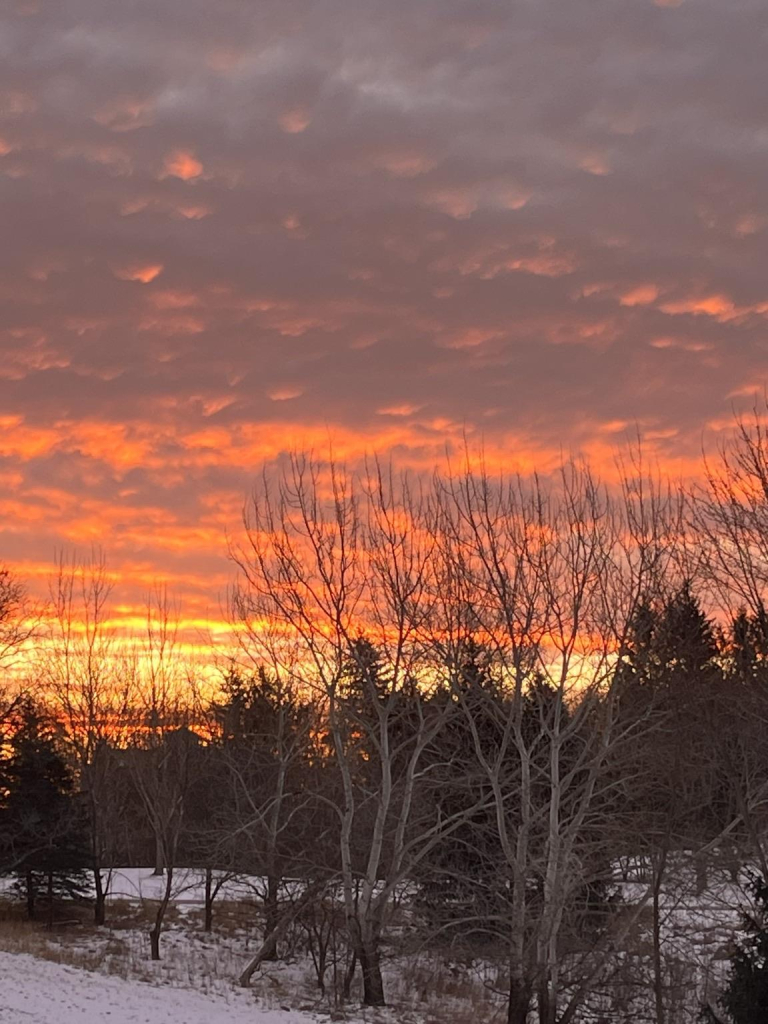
76, 971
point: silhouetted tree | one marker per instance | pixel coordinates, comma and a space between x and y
43, 827
263, 748
745, 999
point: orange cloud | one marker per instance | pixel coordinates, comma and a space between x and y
545, 257
173, 300
143, 272
543, 265
182, 163
405, 409
470, 338
717, 306
514, 198
170, 325
213, 405
614, 426
749, 224
19, 440
135, 205
642, 295
681, 343
173, 544
405, 164
114, 444
295, 120
285, 394
32, 351
593, 163
458, 203
194, 212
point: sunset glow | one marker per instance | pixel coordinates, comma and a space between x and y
233, 236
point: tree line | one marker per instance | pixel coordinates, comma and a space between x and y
490, 697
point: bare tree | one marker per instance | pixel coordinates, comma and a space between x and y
341, 567
162, 747
161, 702
20, 621
89, 682
548, 579
729, 519
162, 764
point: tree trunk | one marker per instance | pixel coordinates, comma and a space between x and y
518, 1004
159, 858
154, 935
50, 900
349, 977
267, 947
208, 922
370, 966
100, 904
266, 951
658, 966
29, 882
271, 913
322, 966
547, 1009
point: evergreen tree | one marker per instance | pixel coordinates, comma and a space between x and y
745, 999
686, 641
746, 648
671, 647
41, 819
461, 884
262, 757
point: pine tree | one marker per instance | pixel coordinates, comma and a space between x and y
264, 754
40, 816
745, 999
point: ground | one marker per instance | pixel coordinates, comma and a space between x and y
37, 991
79, 973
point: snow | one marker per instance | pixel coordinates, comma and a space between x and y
40, 992
104, 975
188, 885
139, 884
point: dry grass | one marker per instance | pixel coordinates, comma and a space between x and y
447, 992
62, 946
423, 986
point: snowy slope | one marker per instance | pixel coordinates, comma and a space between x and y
36, 991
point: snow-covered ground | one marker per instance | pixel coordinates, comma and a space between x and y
188, 885
35, 991
78, 972
198, 971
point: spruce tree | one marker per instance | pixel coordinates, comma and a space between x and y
745, 999
46, 848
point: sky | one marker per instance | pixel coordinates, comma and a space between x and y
232, 229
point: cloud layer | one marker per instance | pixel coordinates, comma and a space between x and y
234, 228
